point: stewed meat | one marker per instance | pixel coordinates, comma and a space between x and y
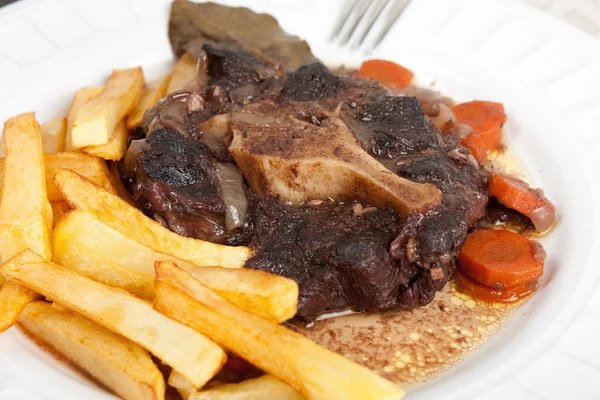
343, 255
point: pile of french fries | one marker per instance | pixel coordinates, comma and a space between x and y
89, 275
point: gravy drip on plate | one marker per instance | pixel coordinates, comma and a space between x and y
415, 346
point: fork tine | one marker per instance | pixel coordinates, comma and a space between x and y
339, 25
400, 6
354, 19
376, 13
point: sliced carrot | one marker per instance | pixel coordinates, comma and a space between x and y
389, 73
491, 295
516, 194
486, 119
501, 259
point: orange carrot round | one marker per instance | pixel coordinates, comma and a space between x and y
501, 259
486, 119
516, 194
389, 73
492, 295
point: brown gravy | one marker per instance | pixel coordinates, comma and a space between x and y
412, 347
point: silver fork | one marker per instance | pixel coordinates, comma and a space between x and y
365, 23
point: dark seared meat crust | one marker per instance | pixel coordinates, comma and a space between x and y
340, 256
176, 185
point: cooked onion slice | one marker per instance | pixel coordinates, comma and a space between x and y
232, 187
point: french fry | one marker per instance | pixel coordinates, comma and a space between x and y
183, 72
187, 351
115, 148
96, 120
59, 209
82, 97
82, 194
121, 365
312, 370
93, 168
266, 387
25, 212
111, 258
184, 387
92, 249
13, 299
53, 135
149, 99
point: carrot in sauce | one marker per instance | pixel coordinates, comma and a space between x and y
516, 194
389, 73
501, 259
486, 119
491, 295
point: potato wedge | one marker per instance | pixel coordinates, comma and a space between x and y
93, 168
25, 212
187, 351
115, 148
121, 365
82, 97
111, 258
59, 209
82, 194
266, 387
184, 387
96, 120
149, 99
53, 135
312, 370
183, 72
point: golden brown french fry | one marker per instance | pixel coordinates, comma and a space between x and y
93, 249
184, 387
82, 97
25, 212
13, 299
121, 365
81, 194
82, 243
266, 387
183, 72
59, 209
93, 168
115, 148
53, 135
312, 370
24, 201
96, 120
187, 351
149, 99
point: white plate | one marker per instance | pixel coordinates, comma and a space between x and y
545, 72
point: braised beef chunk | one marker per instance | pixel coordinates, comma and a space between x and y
311, 82
393, 127
343, 260
177, 185
339, 259
232, 68
438, 168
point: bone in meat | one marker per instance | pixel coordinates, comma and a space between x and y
296, 160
